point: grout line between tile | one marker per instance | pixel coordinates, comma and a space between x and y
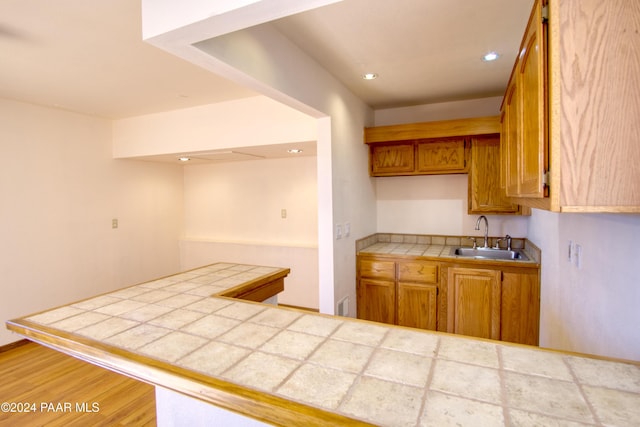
427, 387
578, 384
506, 415
360, 374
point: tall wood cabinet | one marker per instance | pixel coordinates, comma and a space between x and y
571, 112
486, 192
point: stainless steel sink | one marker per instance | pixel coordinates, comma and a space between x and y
489, 253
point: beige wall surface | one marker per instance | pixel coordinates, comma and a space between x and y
590, 306
234, 213
60, 189
243, 201
244, 122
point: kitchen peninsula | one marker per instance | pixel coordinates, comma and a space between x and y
190, 336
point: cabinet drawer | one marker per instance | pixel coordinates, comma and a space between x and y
418, 271
377, 269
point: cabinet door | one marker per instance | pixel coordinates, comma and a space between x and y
520, 313
511, 139
376, 300
392, 159
438, 156
531, 80
474, 302
486, 195
417, 305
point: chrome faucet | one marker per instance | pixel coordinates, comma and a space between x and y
486, 229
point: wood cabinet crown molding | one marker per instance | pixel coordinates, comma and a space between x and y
437, 129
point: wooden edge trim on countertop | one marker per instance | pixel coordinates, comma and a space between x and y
297, 307
248, 402
438, 129
260, 289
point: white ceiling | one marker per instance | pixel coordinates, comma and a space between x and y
424, 51
88, 56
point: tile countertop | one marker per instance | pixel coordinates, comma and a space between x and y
436, 246
261, 360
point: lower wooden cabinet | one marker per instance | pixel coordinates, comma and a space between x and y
417, 305
498, 302
376, 300
474, 302
520, 307
398, 292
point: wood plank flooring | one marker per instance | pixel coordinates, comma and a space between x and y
69, 392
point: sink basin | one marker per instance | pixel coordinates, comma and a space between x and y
489, 253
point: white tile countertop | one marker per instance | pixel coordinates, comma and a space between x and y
435, 246
328, 370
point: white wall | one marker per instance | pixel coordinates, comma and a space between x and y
440, 111
593, 308
244, 122
436, 204
243, 201
60, 189
274, 65
233, 212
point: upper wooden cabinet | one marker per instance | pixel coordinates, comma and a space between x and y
524, 114
392, 159
440, 147
419, 157
442, 156
486, 193
571, 112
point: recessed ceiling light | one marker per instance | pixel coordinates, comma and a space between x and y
294, 151
369, 76
184, 159
491, 56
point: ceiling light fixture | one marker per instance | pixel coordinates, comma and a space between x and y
184, 159
491, 56
294, 151
369, 76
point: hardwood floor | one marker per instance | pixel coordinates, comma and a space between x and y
63, 391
